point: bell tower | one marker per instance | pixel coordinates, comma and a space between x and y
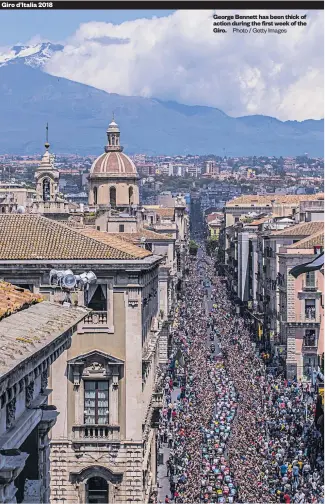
46, 175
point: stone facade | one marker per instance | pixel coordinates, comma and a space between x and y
25, 416
118, 344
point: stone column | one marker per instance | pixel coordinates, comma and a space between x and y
44, 459
133, 365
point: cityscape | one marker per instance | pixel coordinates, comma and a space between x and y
161, 306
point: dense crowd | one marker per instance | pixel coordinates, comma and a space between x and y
235, 432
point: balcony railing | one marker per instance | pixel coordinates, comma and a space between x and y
95, 433
157, 400
310, 314
95, 321
310, 345
96, 318
309, 285
308, 318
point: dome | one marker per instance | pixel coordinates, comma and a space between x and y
113, 164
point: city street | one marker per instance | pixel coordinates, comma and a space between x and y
228, 431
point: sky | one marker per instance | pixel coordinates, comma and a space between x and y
174, 55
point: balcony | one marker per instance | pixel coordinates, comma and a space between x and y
305, 318
95, 434
310, 345
310, 314
96, 321
157, 400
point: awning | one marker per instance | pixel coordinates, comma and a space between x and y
314, 265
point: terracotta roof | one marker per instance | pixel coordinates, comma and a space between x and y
309, 242
144, 233
166, 213
13, 299
34, 237
113, 164
302, 229
269, 199
26, 332
211, 216
114, 240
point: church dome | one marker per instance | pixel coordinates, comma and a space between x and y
113, 163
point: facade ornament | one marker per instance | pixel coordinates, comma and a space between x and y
133, 298
96, 367
44, 381
11, 413
29, 394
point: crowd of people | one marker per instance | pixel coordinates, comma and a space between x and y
235, 432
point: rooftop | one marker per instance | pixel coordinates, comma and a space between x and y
33, 237
114, 239
26, 332
302, 229
14, 299
144, 233
269, 199
310, 242
165, 213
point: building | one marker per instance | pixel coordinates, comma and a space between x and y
113, 176
302, 307
253, 247
105, 385
33, 334
211, 168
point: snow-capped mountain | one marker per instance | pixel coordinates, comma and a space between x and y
34, 56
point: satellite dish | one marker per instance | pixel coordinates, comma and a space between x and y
143, 239
91, 277
69, 281
53, 275
21, 210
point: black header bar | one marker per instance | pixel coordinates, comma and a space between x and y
161, 5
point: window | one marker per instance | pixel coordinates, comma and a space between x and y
130, 195
310, 309
148, 246
112, 197
96, 490
310, 279
310, 338
95, 195
236, 219
121, 228
96, 402
46, 189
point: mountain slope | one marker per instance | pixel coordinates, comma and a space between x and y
35, 56
78, 116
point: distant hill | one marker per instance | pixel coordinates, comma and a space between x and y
78, 117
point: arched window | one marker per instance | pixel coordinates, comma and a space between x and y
95, 195
130, 195
96, 490
112, 197
46, 189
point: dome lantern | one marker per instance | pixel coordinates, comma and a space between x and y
113, 138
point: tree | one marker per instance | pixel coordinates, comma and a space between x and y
193, 247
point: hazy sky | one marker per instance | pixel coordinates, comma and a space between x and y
176, 56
